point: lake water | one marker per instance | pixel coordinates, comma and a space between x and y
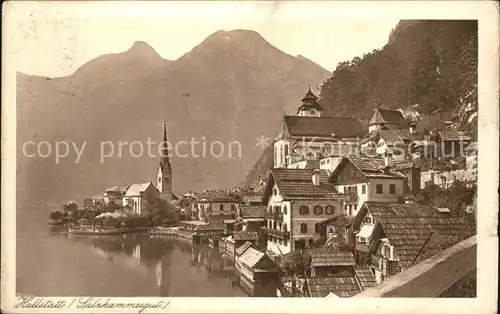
54, 263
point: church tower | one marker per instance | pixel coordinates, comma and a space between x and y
310, 106
164, 177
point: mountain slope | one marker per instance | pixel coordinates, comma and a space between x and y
234, 86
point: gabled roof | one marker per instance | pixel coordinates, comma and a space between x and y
369, 167
251, 257
253, 211
386, 116
344, 287
118, 188
454, 136
242, 248
246, 235
342, 127
293, 183
324, 257
138, 188
379, 210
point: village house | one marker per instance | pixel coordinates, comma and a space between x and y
327, 262
140, 197
258, 273
252, 218
364, 179
400, 142
240, 237
98, 202
309, 136
297, 201
398, 236
253, 197
216, 205
115, 194
388, 119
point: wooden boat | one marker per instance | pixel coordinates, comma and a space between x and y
103, 231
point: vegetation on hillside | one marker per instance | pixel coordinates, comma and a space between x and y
426, 65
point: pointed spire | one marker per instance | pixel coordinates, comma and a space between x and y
165, 159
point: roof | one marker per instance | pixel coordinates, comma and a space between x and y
340, 220
310, 101
245, 235
323, 126
253, 211
386, 116
137, 189
343, 287
298, 183
454, 136
395, 136
365, 277
210, 226
418, 238
242, 248
324, 257
118, 188
370, 167
251, 257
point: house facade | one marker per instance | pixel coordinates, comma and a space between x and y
115, 194
297, 201
140, 197
364, 179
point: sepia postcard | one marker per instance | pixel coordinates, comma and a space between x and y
186, 157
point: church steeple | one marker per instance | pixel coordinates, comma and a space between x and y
164, 176
165, 159
310, 106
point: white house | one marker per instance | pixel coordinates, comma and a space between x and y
141, 196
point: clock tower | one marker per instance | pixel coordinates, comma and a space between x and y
164, 176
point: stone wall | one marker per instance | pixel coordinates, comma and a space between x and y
450, 176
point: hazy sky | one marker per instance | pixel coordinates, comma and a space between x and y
55, 39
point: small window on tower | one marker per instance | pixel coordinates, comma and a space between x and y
159, 179
312, 111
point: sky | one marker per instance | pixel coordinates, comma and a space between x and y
55, 38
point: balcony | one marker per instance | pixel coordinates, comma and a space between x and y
278, 233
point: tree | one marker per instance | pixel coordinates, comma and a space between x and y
70, 207
55, 215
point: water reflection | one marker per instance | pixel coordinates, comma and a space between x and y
187, 269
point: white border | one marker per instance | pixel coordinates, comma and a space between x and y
487, 14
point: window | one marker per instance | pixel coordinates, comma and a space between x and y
304, 210
350, 210
280, 241
317, 228
303, 227
310, 156
330, 210
355, 207
318, 210
221, 206
274, 225
285, 228
312, 111
270, 224
275, 191
285, 211
392, 189
367, 220
328, 161
345, 189
363, 189
379, 188
285, 242
279, 226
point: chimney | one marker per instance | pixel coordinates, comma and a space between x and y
413, 128
388, 158
315, 176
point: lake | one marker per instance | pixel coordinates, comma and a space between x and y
51, 262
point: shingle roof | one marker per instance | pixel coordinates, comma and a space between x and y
386, 116
251, 257
321, 257
242, 248
416, 231
310, 101
246, 235
298, 183
118, 188
395, 136
454, 136
373, 167
136, 189
365, 277
344, 287
323, 126
253, 211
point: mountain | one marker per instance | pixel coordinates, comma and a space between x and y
426, 64
234, 86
